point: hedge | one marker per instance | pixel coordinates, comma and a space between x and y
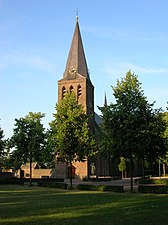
52, 184
61, 180
153, 181
97, 179
11, 181
153, 188
101, 179
92, 187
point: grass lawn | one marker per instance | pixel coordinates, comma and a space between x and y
35, 205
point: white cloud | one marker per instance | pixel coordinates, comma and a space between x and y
141, 69
158, 94
126, 33
154, 79
107, 32
118, 69
33, 61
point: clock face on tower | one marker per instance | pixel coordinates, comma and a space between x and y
72, 71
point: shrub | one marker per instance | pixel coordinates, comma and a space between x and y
153, 188
92, 187
153, 181
61, 180
100, 179
11, 181
52, 184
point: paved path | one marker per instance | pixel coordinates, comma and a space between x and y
123, 182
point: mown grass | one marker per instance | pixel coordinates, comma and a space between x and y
36, 205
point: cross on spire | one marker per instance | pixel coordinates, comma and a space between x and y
77, 13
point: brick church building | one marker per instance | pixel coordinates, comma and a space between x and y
76, 78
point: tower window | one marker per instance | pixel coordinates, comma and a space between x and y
63, 92
71, 88
79, 91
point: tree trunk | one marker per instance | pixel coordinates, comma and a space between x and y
125, 174
70, 175
131, 176
164, 169
109, 164
143, 168
30, 171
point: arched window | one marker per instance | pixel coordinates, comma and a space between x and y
71, 89
63, 92
79, 91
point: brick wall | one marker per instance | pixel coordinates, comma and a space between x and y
81, 169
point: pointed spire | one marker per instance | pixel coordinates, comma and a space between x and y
105, 100
76, 64
77, 18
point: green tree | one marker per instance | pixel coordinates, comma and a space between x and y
6, 156
123, 165
165, 135
131, 123
70, 137
104, 132
28, 140
2, 147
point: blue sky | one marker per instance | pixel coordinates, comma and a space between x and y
118, 35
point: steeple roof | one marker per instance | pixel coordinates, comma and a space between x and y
105, 100
76, 65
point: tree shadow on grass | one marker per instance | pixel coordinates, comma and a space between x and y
48, 206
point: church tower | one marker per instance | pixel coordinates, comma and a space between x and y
76, 77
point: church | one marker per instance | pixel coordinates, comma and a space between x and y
76, 78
